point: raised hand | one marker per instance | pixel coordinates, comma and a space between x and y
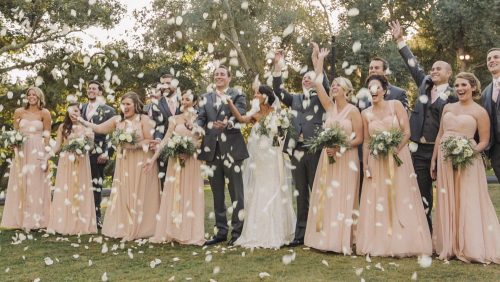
323, 53
278, 56
396, 31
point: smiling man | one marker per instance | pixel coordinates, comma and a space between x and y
96, 111
491, 102
434, 93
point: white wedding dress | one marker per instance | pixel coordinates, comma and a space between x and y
269, 214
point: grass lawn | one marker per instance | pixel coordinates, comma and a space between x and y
82, 259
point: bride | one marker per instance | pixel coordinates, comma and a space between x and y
269, 215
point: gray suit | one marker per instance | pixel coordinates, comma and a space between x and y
102, 114
426, 115
225, 149
308, 120
493, 149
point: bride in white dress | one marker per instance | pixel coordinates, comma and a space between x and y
269, 214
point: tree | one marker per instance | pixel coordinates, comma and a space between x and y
32, 30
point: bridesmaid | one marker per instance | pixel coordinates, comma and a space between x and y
182, 208
334, 195
392, 220
135, 194
465, 224
73, 210
27, 204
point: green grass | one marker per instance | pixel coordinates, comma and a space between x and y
25, 262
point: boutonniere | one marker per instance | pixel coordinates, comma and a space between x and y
445, 94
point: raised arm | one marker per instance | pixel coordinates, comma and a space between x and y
285, 97
237, 114
318, 58
416, 71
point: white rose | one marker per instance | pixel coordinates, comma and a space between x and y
122, 137
129, 139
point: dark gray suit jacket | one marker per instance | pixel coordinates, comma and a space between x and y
102, 114
230, 139
487, 103
425, 85
308, 119
161, 113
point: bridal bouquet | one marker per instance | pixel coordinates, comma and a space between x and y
123, 136
79, 146
333, 137
176, 146
384, 142
459, 150
276, 125
12, 138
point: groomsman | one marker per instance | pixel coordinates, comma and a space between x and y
433, 94
379, 66
96, 111
167, 106
224, 149
309, 118
490, 99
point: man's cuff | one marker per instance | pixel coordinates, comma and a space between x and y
230, 124
276, 74
401, 44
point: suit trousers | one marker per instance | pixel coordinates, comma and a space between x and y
495, 159
422, 164
303, 177
235, 186
97, 172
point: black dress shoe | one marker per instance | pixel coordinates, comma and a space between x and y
296, 242
214, 240
231, 241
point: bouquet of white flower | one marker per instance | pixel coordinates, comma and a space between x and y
459, 150
384, 142
277, 124
12, 138
178, 145
79, 146
123, 136
333, 137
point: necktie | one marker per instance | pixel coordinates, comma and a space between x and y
434, 94
496, 91
90, 109
171, 105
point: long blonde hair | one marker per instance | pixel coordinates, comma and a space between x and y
39, 94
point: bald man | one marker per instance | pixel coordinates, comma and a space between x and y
433, 94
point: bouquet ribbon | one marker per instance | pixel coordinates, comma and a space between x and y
177, 191
391, 190
76, 188
20, 186
322, 187
457, 177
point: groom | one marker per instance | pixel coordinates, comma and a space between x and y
223, 148
309, 118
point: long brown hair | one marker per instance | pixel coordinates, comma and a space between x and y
138, 105
67, 123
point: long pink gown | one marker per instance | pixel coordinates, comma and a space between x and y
182, 208
465, 222
27, 204
334, 197
399, 229
135, 194
73, 210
